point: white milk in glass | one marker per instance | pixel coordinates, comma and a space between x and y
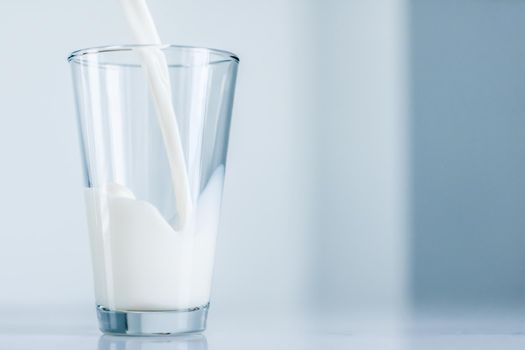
141, 262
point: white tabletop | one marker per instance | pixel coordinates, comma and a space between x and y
481, 331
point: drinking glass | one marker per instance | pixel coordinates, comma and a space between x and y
152, 275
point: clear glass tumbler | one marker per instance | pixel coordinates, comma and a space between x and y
152, 268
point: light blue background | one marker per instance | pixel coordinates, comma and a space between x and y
468, 151
376, 155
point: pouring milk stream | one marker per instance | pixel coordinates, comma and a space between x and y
156, 68
141, 263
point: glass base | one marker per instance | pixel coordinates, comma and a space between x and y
152, 322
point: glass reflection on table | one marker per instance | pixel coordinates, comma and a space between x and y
181, 342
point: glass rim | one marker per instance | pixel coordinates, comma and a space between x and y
74, 57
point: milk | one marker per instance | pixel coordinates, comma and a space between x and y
140, 262
156, 69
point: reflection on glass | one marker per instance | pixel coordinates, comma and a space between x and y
182, 342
